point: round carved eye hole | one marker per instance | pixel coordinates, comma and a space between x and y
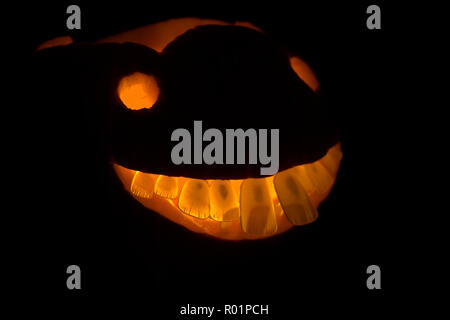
304, 72
138, 91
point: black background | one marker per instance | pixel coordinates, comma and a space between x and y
133, 253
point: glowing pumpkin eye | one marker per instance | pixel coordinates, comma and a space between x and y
138, 91
304, 72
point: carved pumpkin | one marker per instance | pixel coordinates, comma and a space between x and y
229, 76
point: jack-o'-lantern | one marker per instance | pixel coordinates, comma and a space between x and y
228, 76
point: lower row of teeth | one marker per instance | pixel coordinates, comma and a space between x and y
253, 201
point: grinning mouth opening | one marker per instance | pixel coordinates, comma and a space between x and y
251, 208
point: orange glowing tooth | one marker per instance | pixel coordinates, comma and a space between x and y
166, 187
332, 159
319, 177
142, 185
194, 199
257, 211
224, 203
293, 198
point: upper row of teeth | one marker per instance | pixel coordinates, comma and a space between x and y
254, 201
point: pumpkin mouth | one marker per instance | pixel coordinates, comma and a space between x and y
251, 208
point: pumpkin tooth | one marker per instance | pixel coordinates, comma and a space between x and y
293, 198
194, 198
257, 211
166, 187
332, 159
224, 203
316, 177
142, 185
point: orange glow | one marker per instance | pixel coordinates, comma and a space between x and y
304, 72
138, 91
208, 211
157, 36
59, 41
